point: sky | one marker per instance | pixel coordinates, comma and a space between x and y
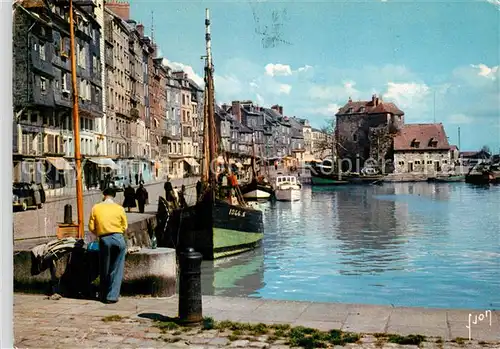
437, 60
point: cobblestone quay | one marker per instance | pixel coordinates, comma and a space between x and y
133, 323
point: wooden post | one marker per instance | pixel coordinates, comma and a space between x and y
76, 126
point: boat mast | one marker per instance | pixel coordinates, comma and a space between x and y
76, 126
210, 102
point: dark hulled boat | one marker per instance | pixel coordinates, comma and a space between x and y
327, 174
220, 223
484, 173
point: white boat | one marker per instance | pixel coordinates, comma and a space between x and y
287, 188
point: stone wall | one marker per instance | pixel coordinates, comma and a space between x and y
353, 134
424, 162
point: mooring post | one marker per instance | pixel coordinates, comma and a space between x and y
190, 304
68, 214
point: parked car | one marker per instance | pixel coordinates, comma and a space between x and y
23, 195
118, 183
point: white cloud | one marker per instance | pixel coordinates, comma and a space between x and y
459, 119
187, 69
228, 87
278, 69
304, 69
328, 110
406, 95
340, 92
285, 88
487, 72
495, 3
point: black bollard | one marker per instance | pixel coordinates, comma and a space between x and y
190, 307
68, 214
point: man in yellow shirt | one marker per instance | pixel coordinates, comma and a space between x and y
108, 222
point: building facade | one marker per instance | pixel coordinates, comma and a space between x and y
361, 125
43, 142
118, 125
422, 149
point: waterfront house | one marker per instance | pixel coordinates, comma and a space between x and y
171, 148
366, 128
42, 133
297, 138
422, 149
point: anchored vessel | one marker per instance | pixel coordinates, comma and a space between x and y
287, 188
327, 174
220, 223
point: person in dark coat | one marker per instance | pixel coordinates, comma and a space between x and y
136, 179
199, 188
129, 201
141, 195
36, 194
168, 188
182, 198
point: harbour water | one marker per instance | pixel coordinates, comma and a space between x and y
405, 244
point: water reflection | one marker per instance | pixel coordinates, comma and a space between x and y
368, 231
238, 276
407, 244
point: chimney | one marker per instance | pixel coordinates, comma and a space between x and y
236, 109
120, 8
374, 99
140, 29
350, 100
278, 108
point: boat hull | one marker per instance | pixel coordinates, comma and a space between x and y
287, 194
449, 179
324, 180
256, 191
257, 194
215, 229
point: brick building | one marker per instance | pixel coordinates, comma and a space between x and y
364, 129
422, 149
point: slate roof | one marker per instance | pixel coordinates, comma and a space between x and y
424, 134
370, 108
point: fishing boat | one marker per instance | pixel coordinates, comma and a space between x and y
287, 188
324, 174
257, 188
447, 179
220, 223
484, 173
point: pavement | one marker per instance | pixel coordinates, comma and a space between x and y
40, 322
38, 224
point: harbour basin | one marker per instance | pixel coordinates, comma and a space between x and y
401, 244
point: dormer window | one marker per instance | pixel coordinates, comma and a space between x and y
433, 143
362, 109
415, 143
350, 110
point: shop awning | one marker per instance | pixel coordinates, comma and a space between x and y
60, 164
192, 162
104, 162
247, 161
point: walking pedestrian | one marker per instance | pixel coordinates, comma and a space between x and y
182, 198
141, 195
129, 201
108, 222
136, 179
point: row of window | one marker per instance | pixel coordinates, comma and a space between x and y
422, 162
